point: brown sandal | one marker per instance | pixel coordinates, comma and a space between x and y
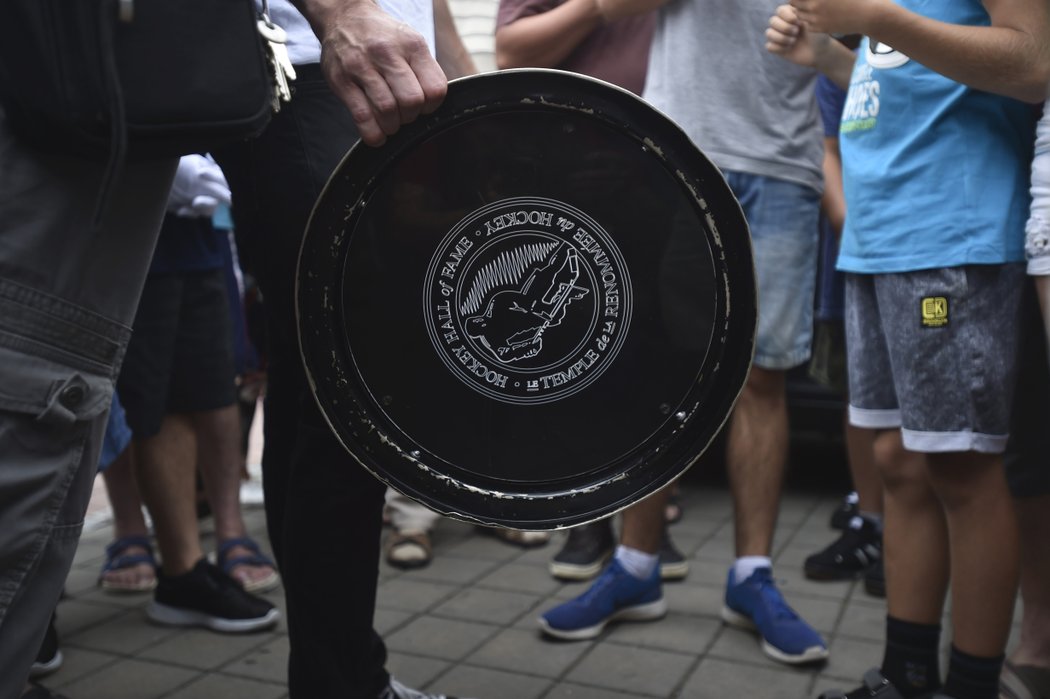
408, 549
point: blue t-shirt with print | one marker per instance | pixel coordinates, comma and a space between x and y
935, 173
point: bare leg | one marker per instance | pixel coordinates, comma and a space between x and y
1034, 516
643, 523
219, 457
915, 535
860, 450
984, 546
755, 455
128, 520
165, 468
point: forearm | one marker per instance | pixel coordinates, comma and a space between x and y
452, 55
319, 13
836, 61
1010, 58
833, 203
545, 40
618, 9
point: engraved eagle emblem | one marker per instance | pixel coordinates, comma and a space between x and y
513, 321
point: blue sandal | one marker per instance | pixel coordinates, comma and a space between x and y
117, 559
255, 558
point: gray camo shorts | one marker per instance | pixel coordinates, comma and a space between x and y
934, 352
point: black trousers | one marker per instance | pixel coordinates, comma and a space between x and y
324, 512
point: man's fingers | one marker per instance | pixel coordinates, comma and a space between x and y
432, 82
362, 113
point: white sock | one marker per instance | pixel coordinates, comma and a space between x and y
746, 565
638, 563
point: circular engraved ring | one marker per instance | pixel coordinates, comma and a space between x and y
529, 300
530, 308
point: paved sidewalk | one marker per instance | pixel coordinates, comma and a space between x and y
467, 625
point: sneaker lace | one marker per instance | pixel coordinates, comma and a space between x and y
774, 600
607, 578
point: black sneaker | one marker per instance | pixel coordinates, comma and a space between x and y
673, 565
875, 579
586, 551
857, 549
846, 511
208, 597
49, 658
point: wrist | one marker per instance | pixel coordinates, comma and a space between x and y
321, 13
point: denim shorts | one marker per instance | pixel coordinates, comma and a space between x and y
934, 352
783, 217
117, 437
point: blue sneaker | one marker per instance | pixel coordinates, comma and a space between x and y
615, 596
757, 604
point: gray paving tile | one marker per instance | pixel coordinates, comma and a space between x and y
485, 683
491, 606
521, 577
453, 569
75, 615
267, 663
681, 634
821, 613
413, 595
415, 671
717, 679
717, 549
126, 634
567, 690
203, 649
851, 658
448, 639
864, 620
130, 679
78, 662
215, 686
387, 620
694, 600
526, 651
640, 670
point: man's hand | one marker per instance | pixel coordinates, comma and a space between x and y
790, 39
380, 67
787, 38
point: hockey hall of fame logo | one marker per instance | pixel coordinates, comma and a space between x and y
527, 300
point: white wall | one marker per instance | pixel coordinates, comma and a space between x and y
476, 21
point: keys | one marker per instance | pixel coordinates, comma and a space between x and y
277, 54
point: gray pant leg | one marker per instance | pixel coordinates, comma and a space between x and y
67, 299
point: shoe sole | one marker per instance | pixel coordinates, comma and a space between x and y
575, 571
650, 611
175, 616
674, 571
42, 669
267, 584
812, 654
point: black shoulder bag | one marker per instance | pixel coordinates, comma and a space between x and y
154, 78
111, 80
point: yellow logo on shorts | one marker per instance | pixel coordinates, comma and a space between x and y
934, 312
